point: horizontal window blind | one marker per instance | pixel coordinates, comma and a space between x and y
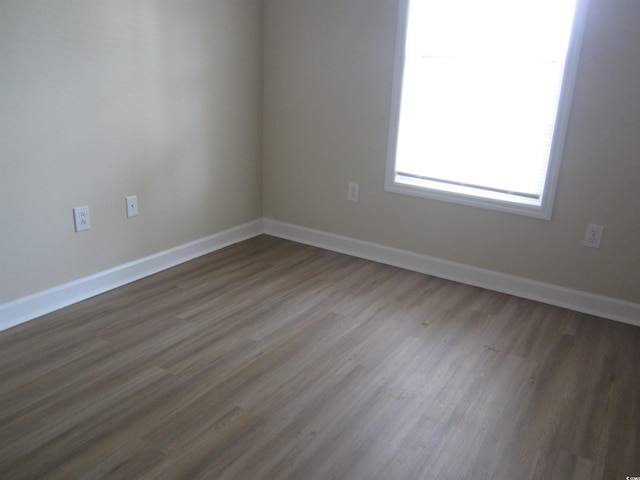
480, 92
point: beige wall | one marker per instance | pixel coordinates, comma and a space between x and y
103, 99
164, 99
328, 75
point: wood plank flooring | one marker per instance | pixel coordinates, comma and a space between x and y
274, 360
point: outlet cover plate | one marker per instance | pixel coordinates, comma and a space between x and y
81, 218
352, 194
593, 236
132, 206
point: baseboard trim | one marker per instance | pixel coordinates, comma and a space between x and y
27, 308
577, 300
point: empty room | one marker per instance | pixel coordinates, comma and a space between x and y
319, 239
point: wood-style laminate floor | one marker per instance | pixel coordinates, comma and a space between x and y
274, 360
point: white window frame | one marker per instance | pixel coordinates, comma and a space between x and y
542, 208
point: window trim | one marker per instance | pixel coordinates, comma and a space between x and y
463, 195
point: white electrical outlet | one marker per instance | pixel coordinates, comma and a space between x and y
81, 218
593, 236
132, 206
352, 195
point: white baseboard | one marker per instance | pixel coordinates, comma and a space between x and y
30, 307
27, 308
577, 300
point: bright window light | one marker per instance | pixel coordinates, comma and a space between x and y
478, 105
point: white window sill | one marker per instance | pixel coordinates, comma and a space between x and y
502, 202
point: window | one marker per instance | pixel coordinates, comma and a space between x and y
481, 101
